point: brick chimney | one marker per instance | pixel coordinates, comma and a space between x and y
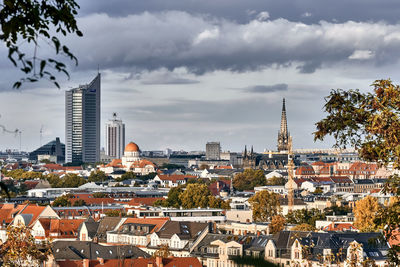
101, 261
159, 262
86, 262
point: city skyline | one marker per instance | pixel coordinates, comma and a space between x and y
213, 71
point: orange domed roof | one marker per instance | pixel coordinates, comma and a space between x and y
131, 147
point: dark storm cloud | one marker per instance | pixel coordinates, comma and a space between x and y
165, 77
173, 39
308, 11
171, 81
266, 88
247, 110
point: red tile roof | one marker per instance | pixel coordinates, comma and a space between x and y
142, 163
53, 166
116, 163
58, 167
158, 222
169, 262
94, 201
8, 212
223, 167
35, 210
299, 181
148, 201
318, 163
140, 262
339, 227
305, 170
65, 228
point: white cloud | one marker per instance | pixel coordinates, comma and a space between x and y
262, 16
206, 35
362, 54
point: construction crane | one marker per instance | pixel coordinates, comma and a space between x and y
16, 132
291, 182
5, 130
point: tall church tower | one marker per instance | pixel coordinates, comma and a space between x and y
283, 135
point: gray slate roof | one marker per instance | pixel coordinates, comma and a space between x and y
106, 224
91, 226
185, 230
371, 244
78, 250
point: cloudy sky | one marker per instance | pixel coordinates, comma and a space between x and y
181, 73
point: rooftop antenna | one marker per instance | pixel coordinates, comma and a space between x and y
20, 140
41, 135
115, 116
291, 176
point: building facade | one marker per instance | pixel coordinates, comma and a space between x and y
213, 151
115, 138
54, 148
82, 123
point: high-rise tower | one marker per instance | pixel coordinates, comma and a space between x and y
213, 151
82, 123
283, 135
115, 137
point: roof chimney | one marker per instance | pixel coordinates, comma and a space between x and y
85, 262
159, 262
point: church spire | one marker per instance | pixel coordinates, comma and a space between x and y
283, 136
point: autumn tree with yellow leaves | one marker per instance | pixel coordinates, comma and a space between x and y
199, 195
20, 249
277, 224
304, 227
265, 205
365, 212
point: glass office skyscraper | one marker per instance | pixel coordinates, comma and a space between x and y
82, 123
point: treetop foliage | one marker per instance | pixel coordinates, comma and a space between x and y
20, 249
370, 123
33, 22
365, 212
277, 224
265, 205
367, 121
305, 216
248, 179
195, 195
